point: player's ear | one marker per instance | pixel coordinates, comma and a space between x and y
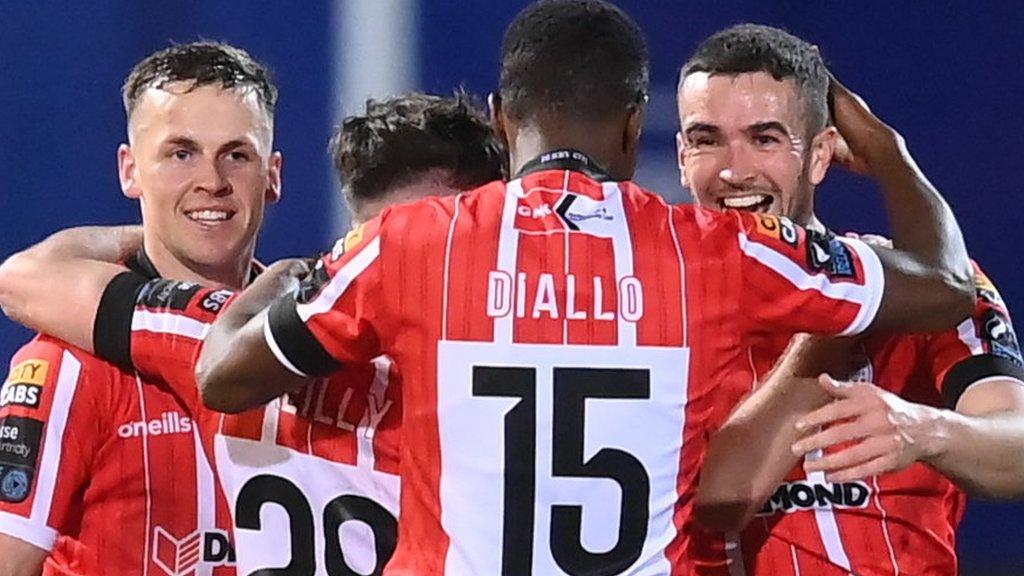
679, 159
273, 194
823, 146
497, 118
127, 172
634, 127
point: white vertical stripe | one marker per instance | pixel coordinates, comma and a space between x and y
622, 244
271, 415
682, 272
146, 477
447, 266
885, 527
365, 455
828, 528
734, 554
67, 384
565, 236
874, 282
968, 334
796, 564
342, 279
206, 496
508, 251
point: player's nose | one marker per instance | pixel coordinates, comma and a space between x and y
210, 178
738, 168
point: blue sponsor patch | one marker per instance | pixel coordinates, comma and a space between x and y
840, 261
14, 485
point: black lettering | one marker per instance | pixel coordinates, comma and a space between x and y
828, 495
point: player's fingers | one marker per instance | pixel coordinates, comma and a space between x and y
832, 412
831, 436
865, 451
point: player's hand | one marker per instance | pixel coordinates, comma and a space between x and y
871, 239
281, 276
864, 140
880, 432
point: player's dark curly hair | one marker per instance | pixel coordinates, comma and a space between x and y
756, 48
400, 138
203, 64
584, 59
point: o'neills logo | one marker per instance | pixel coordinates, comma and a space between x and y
167, 423
803, 495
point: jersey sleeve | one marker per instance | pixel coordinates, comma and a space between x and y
157, 327
49, 433
331, 319
981, 347
799, 280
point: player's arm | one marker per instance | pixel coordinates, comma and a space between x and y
67, 271
20, 558
928, 276
744, 463
237, 370
49, 428
253, 353
977, 440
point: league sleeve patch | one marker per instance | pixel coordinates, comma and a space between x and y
168, 294
24, 385
354, 237
214, 301
778, 227
828, 254
20, 439
997, 332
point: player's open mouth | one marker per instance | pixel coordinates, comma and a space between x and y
749, 202
209, 216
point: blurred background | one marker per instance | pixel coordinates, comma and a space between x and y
949, 76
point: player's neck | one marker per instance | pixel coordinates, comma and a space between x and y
602, 144
233, 275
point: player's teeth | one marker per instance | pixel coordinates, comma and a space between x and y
744, 201
216, 215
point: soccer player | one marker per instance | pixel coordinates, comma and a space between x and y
325, 455
755, 136
562, 336
103, 471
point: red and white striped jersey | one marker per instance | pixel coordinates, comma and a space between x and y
561, 339
104, 469
311, 478
900, 523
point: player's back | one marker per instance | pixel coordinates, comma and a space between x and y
560, 337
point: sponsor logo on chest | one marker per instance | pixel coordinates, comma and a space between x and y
181, 557
804, 495
167, 423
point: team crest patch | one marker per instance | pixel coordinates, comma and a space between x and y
24, 384
343, 245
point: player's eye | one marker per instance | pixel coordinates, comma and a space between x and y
766, 139
238, 155
182, 154
702, 141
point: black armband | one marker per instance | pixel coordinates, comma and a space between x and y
294, 340
112, 331
973, 369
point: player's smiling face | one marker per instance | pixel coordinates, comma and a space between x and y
201, 163
743, 145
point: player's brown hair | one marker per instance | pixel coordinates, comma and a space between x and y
399, 139
583, 59
756, 48
203, 64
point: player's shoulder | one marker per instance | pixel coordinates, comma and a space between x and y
52, 351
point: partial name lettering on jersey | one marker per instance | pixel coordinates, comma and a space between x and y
24, 384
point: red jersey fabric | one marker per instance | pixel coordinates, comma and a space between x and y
900, 523
108, 463
311, 477
561, 339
